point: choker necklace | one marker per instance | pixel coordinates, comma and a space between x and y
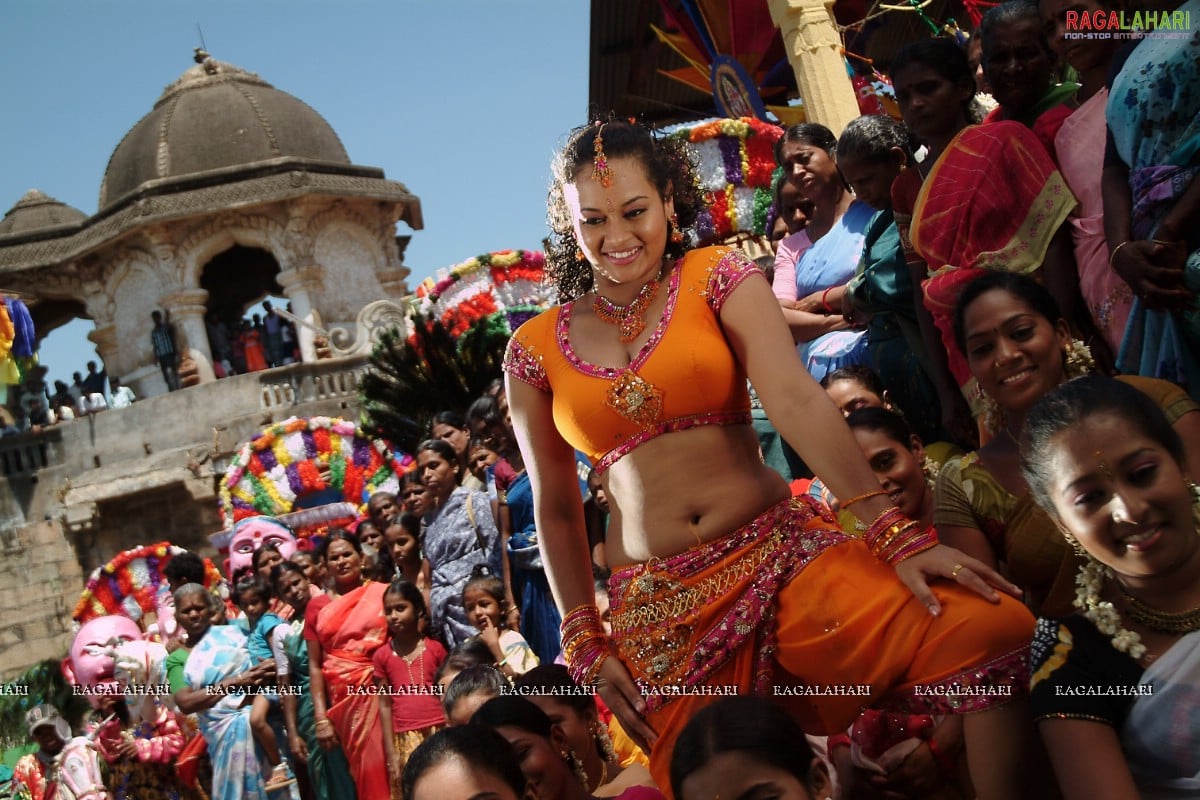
1170, 622
627, 318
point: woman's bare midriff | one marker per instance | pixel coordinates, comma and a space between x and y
685, 488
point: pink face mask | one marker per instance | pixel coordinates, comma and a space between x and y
88, 664
251, 534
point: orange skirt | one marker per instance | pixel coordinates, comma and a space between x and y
734, 616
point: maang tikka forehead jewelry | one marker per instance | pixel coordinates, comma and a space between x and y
600, 169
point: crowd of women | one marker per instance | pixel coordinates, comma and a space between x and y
988, 561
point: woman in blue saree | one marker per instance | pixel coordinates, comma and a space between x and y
1152, 201
239, 771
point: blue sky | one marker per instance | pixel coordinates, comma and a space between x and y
464, 101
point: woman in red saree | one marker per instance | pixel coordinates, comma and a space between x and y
348, 630
987, 197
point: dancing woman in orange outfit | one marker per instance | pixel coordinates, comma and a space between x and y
722, 579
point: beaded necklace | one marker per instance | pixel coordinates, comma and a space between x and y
627, 318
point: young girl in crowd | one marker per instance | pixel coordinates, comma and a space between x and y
470, 689
480, 456
471, 653
267, 634
483, 598
409, 712
1117, 679
402, 538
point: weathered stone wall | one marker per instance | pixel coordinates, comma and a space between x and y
40, 581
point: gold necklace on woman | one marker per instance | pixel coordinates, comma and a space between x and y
627, 318
1170, 622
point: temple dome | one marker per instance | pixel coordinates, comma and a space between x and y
36, 212
216, 117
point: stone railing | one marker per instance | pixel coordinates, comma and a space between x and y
23, 454
310, 383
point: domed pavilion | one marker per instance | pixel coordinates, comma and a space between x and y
226, 191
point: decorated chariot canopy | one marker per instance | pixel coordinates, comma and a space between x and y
307, 473
498, 290
134, 585
735, 164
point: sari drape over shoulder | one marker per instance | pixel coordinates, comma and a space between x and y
350, 629
238, 770
993, 201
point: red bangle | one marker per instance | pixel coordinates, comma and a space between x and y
824, 294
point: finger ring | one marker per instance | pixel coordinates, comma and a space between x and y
954, 572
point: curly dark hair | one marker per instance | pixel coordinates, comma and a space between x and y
668, 166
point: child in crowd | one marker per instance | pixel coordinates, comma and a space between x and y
267, 635
469, 690
404, 668
464, 655
402, 539
480, 456
483, 599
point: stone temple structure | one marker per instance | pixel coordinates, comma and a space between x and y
228, 190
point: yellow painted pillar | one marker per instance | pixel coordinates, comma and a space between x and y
815, 51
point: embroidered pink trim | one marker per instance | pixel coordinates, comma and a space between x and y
976, 688
562, 329
725, 276
751, 619
520, 362
669, 426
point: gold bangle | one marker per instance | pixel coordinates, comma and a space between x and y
1112, 257
858, 498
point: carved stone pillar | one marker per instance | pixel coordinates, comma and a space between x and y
298, 287
107, 343
393, 281
815, 52
186, 311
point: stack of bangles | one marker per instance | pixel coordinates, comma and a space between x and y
893, 537
323, 721
584, 644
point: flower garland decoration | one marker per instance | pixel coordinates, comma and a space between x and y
133, 583
1102, 613
302, 456
735, 159
503, 288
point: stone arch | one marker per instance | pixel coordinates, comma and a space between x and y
225, 231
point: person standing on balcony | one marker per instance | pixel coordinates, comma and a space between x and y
163, 339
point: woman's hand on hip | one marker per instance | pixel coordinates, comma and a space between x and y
945, 562
616, 687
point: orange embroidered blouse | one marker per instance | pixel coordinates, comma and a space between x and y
684, 376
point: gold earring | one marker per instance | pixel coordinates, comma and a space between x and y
673, 228
579, 254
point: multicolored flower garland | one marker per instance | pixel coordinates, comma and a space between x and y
133, 583
301, 456
734, 161
504, 287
